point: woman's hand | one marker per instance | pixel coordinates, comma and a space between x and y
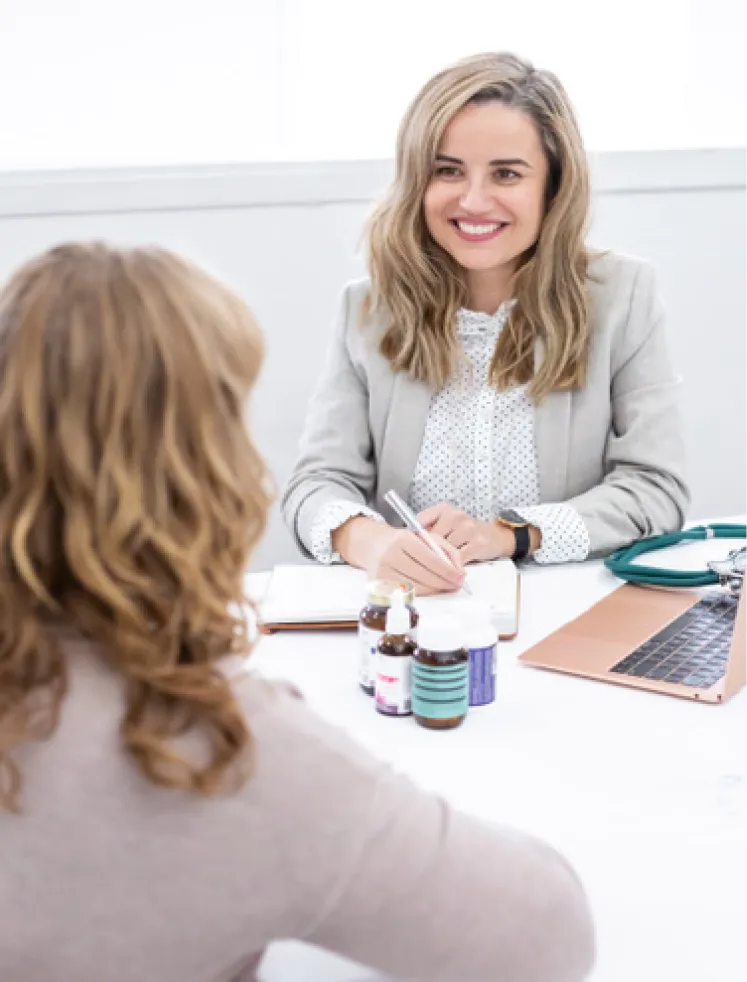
476, 541
398, 554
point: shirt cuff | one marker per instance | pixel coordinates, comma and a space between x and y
330, 517
565, 538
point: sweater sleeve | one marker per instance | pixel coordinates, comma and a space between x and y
383, 873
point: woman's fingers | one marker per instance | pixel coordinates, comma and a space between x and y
429, 516
441, 519
470, 551
408, 557
451, 524
463, 539
407, 569
437, 572
452, 552
464, 532
447, 524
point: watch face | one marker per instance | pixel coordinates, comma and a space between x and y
511, 518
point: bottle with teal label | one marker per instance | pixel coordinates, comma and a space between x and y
440, 674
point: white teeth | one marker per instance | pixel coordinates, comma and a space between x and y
479, 229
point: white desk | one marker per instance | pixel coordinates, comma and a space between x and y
644, 793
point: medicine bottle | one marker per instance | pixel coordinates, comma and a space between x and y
372, 624
481, 641
440, 673
393, 685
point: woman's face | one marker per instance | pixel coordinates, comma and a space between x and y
485, 200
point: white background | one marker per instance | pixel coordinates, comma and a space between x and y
99, 83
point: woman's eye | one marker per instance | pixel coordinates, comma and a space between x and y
447, 171
506, 174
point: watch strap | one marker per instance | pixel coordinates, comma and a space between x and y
521, 536
520, 527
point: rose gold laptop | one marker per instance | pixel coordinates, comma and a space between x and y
679, 642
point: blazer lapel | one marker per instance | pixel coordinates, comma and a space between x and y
552, 426
403, 437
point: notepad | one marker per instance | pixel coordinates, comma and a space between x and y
314, 596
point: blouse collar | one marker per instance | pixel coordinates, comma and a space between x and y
475, 322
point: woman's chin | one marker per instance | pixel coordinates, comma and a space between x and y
481, 264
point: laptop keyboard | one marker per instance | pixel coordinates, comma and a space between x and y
693, 650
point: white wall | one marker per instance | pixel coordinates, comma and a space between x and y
286, 238
101, 83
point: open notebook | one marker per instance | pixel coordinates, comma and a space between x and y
314, 596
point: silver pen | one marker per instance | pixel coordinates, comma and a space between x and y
410, 519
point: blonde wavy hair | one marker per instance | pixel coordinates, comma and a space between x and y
417, 288
130, 498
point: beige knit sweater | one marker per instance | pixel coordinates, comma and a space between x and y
106, 878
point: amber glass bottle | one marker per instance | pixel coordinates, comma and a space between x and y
393, 684
372, 624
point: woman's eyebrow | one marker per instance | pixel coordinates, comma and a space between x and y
505, 162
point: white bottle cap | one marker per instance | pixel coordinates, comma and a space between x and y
398, 616
438, 632
479, 629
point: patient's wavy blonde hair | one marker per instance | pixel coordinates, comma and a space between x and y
417, 288
130, 498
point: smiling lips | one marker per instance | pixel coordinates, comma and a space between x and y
477, 232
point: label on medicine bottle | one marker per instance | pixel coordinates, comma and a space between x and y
440, 691
368, 640
393, 686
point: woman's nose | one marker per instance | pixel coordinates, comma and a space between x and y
476, 198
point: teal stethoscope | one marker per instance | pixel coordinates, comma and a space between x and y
727, 572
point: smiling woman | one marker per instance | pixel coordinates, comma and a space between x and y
488, 187
484, 205
513, 385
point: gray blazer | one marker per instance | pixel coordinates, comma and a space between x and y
613, 450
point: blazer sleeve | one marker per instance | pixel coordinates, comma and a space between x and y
336, 458
644, 490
